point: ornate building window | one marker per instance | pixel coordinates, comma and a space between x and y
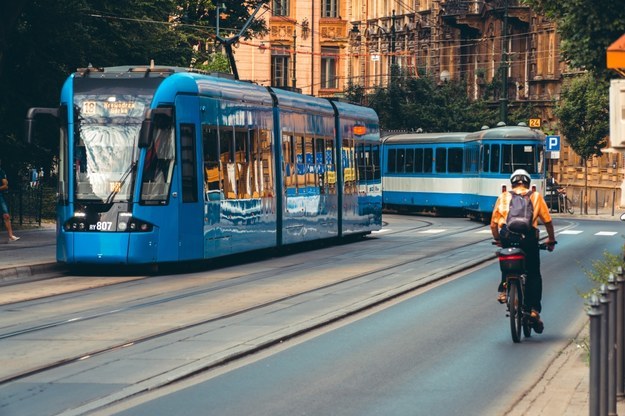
329, 63
280, 68
330, 8
280, 7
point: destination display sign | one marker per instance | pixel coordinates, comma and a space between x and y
106, 108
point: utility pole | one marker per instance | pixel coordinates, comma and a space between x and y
503, 99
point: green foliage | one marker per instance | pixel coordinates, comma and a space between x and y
217, 62
584, 115
411, 103
42, 42
601, 269
587, 28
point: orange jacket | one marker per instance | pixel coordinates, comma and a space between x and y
502, 206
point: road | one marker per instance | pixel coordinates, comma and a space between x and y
443, 349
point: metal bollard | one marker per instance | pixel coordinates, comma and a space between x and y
620, 333
603, 348
594, 313
611, 345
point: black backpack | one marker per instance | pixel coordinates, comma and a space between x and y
520, 214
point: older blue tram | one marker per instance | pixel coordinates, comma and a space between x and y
458, 172
167, 164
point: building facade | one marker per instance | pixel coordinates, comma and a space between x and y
322, 47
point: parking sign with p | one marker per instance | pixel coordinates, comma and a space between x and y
553, 143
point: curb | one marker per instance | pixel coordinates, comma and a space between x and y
29, 273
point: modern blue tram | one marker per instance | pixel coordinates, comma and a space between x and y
166, 164
458, 172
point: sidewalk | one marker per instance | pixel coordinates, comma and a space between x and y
562, 390
31, 257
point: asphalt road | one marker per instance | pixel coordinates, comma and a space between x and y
445, 351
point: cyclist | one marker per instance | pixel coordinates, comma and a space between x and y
520, 181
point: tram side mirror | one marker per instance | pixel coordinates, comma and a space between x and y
31, 115
158, 117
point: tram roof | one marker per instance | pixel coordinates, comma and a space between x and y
507, 133
418, 138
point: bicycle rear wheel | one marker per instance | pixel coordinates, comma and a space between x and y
515, 310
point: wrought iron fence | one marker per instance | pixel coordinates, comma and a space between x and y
29, 205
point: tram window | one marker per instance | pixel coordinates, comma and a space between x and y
401, 160
428, 160
266, 161
518, 156
494, 158
361, 162
441, 160
375, 160
287, 154
300, 160
210, 145
320, 164
226, 149
330, 171
392, 157
241, 162
409, 160
63, 168
158, 166
418, 160
189, 163
454, 160
471, 154
485, 158
349, 175
309, 162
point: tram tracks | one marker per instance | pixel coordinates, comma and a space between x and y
243, 284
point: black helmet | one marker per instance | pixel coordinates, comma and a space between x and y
520, 175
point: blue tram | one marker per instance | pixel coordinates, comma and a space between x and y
458, 172
167, 164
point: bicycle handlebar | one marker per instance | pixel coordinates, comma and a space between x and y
541, 246
547, 246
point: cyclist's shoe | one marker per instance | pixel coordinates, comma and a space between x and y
537, 323
502, 297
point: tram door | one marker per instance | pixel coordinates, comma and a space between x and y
190, 205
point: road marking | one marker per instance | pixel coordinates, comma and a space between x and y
433, 231
608, 233
573, 232
383, 230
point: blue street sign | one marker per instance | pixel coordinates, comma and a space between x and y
553, 143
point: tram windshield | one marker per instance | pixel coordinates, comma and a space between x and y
105, 146
519, 156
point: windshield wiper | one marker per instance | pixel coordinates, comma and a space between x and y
122, 180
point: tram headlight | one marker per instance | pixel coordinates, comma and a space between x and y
136, 225
75, 224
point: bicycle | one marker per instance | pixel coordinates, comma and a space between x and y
564, 202
512, 265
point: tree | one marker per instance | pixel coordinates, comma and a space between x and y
42, 42
586, 28
411, 103
584, 118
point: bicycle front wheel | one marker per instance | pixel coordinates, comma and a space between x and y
515, 310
